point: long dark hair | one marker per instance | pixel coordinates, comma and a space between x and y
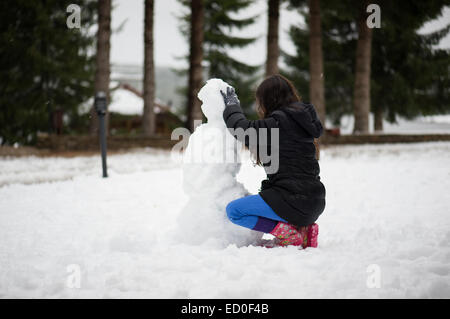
274, 92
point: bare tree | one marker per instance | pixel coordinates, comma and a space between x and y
194, 111
273, 50
316, 84
148, 117
102, 59
361, 94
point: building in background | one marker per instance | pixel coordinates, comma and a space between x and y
126, 106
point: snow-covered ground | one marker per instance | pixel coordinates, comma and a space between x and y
66, 232
435, 124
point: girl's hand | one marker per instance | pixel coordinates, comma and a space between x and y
230, 98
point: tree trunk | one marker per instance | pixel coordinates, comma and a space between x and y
148, 117
378, 122
102, 72
194, 111
361, 95
316, 85
273, 50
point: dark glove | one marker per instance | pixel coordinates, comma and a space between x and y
230, 98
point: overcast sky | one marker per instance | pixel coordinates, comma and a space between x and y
127, 45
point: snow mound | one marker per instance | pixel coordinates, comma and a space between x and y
210, 166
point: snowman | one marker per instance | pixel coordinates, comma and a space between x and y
210, 164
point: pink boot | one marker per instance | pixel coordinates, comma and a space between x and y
312, 236
290, 235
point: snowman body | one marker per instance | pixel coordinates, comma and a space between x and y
210, 165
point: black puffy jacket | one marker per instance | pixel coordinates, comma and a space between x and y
295, 191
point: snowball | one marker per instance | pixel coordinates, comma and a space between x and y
213, 104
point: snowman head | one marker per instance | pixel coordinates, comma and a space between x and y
213, 104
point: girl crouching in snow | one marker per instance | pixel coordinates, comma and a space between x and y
292, 198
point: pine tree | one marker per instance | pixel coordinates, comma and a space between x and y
361, 91
273, 48
44, 65
196, 37
409, 75
102, 59
318, 69
148, 117
218, 23
416, 72
316, 86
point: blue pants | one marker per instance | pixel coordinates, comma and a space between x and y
254, 213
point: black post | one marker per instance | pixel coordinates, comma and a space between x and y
100, 107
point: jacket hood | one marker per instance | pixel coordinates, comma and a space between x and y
304, 115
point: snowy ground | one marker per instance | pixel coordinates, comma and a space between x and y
436, 124
387, 218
